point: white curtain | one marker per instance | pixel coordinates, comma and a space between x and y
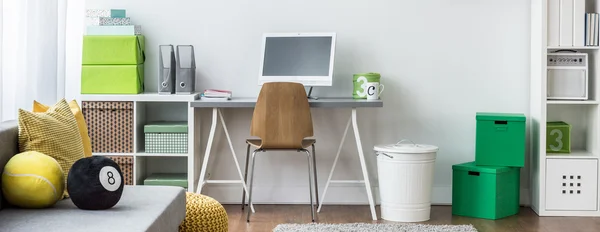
34, 45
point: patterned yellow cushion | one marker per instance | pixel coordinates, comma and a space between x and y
203, 213
85, 138
54, 133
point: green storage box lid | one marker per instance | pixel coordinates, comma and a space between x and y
470, 166
490, 116
557, 123
168, 179
166, 127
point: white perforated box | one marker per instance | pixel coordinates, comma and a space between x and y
572, 184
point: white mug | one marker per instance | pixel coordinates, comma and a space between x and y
373, 90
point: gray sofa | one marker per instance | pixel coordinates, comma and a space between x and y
141, 208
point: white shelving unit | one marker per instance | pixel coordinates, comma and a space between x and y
148, 107
563, 184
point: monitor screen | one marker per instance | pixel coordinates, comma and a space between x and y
297, 56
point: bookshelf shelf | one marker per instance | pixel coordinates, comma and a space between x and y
582, 115
587, 102
151, 107
575, 154
574, 48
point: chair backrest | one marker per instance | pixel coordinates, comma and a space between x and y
282, 117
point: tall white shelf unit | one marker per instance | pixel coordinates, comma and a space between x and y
148, 107
567, 184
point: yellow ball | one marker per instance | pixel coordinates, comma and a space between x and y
32, 180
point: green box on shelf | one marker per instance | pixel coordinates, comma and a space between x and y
488, 192
166, 137
558, 137
113, 49
167, 179
500, 139
112, 79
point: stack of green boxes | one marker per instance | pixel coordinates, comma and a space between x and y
166, 137
489, 187
113, 54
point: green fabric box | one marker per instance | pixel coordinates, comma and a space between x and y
112, 79
167, 179
113, 49
500, 139
488, 192
166, 137
558, 137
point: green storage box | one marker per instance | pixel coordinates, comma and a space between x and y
113, 49
500, 139
112, 79
558, 137
485, 191
167, 179
166, 137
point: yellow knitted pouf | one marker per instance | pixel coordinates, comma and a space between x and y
203, 213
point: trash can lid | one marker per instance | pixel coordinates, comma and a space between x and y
411, 147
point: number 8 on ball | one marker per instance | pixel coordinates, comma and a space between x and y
110, 178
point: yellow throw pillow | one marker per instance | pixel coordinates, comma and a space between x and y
54, 133
83, 130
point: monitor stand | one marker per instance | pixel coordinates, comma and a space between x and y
311, 97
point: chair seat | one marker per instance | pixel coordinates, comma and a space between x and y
305, 143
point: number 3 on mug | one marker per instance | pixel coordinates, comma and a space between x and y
558, 140
363, 86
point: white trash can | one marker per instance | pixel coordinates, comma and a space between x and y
405, 173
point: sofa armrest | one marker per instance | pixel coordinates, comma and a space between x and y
9, 145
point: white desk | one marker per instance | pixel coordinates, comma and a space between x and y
320, 103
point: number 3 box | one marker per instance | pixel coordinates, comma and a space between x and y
558, 137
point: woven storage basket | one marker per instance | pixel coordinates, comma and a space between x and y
203, 213
126, 165
166, 137
110, 125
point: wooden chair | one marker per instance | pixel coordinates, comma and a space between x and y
282, 121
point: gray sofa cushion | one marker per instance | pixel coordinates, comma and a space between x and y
141, 208
9, 146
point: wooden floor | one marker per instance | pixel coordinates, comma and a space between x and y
268, 217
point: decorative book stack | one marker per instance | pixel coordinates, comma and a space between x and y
216, 94
110, 22
113, 54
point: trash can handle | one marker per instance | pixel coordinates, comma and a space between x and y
382, 153
414, 144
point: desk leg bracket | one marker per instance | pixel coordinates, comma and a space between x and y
216, 115
363, 164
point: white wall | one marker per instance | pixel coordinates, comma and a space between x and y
441, 62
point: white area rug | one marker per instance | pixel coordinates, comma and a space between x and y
364, 227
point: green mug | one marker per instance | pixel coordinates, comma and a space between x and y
360, 81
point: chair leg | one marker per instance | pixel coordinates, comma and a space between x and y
314, 157
251, 185
310, 180
245, 176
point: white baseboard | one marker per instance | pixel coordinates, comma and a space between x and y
339, 194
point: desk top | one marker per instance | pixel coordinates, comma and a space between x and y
319, 103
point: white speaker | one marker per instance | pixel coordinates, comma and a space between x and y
567, 76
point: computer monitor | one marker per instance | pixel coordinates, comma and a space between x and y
305, 58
